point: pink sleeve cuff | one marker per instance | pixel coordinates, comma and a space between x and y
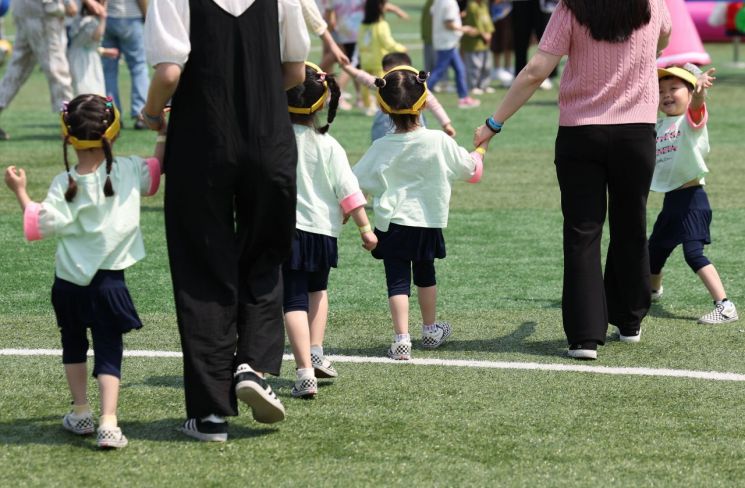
31, 221
701, 114
353, 201
153, 165
479, 169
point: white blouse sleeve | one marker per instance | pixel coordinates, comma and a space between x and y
167, 37
313, 18
293, 35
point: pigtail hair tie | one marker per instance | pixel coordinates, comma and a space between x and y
380, 82
422, 76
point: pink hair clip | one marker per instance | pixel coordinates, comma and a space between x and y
321, 76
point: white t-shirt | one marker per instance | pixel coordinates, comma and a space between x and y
681, 147
168, 22
442, 37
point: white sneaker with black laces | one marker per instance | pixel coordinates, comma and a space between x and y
435, 338
657, 294
724, 312
79, 424
629, 339
252, 390
400, 351
205, 430
111, 438
322, 366
583, 351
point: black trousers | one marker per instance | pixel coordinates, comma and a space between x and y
527, 19
604, 168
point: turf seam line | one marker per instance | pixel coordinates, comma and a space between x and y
457, 363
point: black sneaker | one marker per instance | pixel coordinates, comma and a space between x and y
3, 135
584, 350
205, 430
252, 390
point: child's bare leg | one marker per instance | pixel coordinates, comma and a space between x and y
428, 304
109, 386
656, 281
318, 316
77, 380
400, 313
296, 324
712, 282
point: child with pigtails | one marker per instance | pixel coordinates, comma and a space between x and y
327, 193
409, 173
93, 209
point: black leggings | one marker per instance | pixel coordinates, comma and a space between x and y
693, 252
297, 285
398, 275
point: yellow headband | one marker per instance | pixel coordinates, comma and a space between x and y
416, 108
318, 104
111, 132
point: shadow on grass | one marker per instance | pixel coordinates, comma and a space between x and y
514, 342
172, 381
658, 311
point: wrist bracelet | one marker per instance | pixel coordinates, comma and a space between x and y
365, 228
493, 125
152, 118
481, 150
160, 138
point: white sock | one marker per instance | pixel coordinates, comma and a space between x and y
304, 373
429, 328
215, 419
317, 350
402, 338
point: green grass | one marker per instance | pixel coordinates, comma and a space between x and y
386, 424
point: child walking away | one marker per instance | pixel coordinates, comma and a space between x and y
447, 29
409, 174
94, 210
84, 51
327, 191
382, 124
682, 144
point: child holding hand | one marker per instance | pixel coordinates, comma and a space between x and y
94, 211
327, 193
682, 144
409, 174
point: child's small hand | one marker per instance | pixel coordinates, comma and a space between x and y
449, 129
705, 80
15, 181
369, 240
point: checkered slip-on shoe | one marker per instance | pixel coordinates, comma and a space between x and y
111, 438
78, 424
252, 390
322, 366
305, 387
433, 340
400, 351
723, 313
205, 430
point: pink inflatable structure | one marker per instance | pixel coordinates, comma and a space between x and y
685, 44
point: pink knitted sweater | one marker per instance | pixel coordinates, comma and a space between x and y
606, 83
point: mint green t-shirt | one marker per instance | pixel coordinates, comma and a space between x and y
410, 176
94, 231
324, 182
681, 147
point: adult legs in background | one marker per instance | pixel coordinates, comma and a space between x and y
126, 34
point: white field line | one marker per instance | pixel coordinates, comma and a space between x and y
454, 363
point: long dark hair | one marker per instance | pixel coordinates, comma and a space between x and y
611, 20
306, 94
373, 11
87, 117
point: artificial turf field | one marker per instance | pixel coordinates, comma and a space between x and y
385, 423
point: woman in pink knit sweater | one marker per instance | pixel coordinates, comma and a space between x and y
605, 156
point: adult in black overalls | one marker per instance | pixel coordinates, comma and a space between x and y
230, 194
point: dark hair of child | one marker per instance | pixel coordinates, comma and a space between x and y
391, 60
87, 117
401, 89
308, 93
373, 11
671, 77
